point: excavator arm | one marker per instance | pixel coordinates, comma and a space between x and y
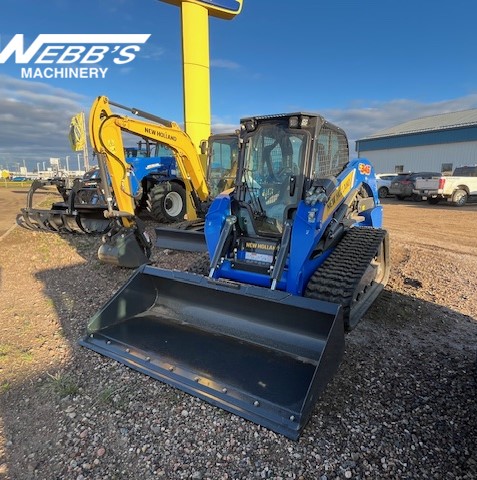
127, 244
106, 129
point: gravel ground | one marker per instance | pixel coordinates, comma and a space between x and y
402, 405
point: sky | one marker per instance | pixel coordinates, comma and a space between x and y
365, 65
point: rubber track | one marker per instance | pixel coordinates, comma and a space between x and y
336, 280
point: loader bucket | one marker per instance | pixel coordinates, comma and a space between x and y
261, 354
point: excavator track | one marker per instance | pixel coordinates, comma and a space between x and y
354, 274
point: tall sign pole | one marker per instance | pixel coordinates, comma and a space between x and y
85, 148
195, 60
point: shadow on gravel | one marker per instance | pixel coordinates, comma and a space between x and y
401, 406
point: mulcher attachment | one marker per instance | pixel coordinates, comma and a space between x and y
261, 354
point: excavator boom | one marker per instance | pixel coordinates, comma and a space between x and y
106, 133
106, 130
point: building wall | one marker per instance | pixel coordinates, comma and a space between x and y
422, 158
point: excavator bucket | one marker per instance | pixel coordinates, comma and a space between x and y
261, 354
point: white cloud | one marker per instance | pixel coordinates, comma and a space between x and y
34, 121
35, 118
151, 52
364, 118
227, 64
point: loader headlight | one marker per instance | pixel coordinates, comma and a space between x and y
293, 122
298, 121
250, 125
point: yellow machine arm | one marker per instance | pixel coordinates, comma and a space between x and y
106, 128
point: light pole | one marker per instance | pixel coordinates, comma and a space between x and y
67, 164
79, 162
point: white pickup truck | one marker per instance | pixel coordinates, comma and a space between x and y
457, 189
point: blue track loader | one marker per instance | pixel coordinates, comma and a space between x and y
296, 255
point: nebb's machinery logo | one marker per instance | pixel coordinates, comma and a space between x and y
72, 55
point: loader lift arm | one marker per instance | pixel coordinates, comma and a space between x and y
106, 130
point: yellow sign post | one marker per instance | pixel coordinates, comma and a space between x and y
195, 60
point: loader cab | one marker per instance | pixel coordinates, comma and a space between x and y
272, 171
281, 159
331, 152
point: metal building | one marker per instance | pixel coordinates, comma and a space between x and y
437, 143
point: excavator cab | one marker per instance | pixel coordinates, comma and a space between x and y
221, 152
222, 162
295, 256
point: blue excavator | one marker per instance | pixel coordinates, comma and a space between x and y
296, 254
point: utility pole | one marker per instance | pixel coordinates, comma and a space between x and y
85, 148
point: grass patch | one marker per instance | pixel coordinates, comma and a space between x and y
117, 396
9, 353
62, 384
26, 356
5, 387
106, 396
4, 350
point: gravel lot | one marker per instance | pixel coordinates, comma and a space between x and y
402, 405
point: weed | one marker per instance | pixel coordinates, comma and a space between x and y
116, 396
4, 387
4, 350
62, 384
26, 356
106, 396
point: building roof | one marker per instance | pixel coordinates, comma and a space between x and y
443, 121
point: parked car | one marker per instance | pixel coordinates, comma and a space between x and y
402, 186
383, 181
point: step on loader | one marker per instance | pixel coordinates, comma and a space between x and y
296, 254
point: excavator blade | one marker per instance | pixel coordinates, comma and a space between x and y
178, 239
261, 354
